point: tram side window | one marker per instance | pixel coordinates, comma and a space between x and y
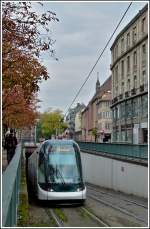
78, 158
41, 168
41, 174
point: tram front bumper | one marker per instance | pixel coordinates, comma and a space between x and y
51, 195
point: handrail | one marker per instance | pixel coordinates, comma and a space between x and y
10, 189
120, 149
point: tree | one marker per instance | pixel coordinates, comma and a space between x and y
94, 133
51, 123
22, 45
17, 112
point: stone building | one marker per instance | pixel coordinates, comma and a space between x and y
130, 81
104, 118
78, 129
89, 117
70, 119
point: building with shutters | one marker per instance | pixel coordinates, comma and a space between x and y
129, 66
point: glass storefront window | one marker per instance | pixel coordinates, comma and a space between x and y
144, 101
128, 109
123, 135
135, 107
129, 135
122, 110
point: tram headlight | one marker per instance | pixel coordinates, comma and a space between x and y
45, 187
80, 187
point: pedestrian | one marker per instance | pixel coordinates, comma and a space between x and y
10, 145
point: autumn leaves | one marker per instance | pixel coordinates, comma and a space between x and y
22, 71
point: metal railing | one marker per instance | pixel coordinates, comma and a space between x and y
126, 150
10, 190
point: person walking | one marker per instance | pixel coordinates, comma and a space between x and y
10, 145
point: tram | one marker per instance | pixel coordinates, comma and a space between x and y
55, 171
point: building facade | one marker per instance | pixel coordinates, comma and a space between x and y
104, 118
78, 130
70, 119
130, 81
89, 117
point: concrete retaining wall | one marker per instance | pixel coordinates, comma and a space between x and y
118, 175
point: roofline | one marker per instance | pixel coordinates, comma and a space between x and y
129, 24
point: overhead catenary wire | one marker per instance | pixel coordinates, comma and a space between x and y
88, 76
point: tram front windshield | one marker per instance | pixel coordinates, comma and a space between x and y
63, 164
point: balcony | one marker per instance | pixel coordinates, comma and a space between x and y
126, 94
133, 91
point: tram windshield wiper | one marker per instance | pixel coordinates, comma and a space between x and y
60, 174
52, 173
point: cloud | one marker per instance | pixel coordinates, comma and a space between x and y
81, 34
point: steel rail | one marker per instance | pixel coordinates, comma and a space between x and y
117, 208
56, 218
93, 216
51, 214
105, 193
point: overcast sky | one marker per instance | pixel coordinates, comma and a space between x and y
82, 32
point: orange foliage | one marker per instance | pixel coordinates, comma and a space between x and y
17, 112
22, 44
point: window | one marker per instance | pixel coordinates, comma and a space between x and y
134, 35
128, 85
143, 25
122, 87
144, 104
129, 134
128, 40
107, 126
144, 49
144, 52
100, 115
117, 113
135, 82
113, 114
143, 77
122, 110
135, 107
116, 51
116, 74
122, 69
123, 134
128, 64
128, 109
122, 45
135, 59
116, 90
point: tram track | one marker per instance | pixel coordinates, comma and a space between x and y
56, 218
122, 210
52, 215
115, 196
95, 217
58, 222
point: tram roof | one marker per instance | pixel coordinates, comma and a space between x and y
59, 142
